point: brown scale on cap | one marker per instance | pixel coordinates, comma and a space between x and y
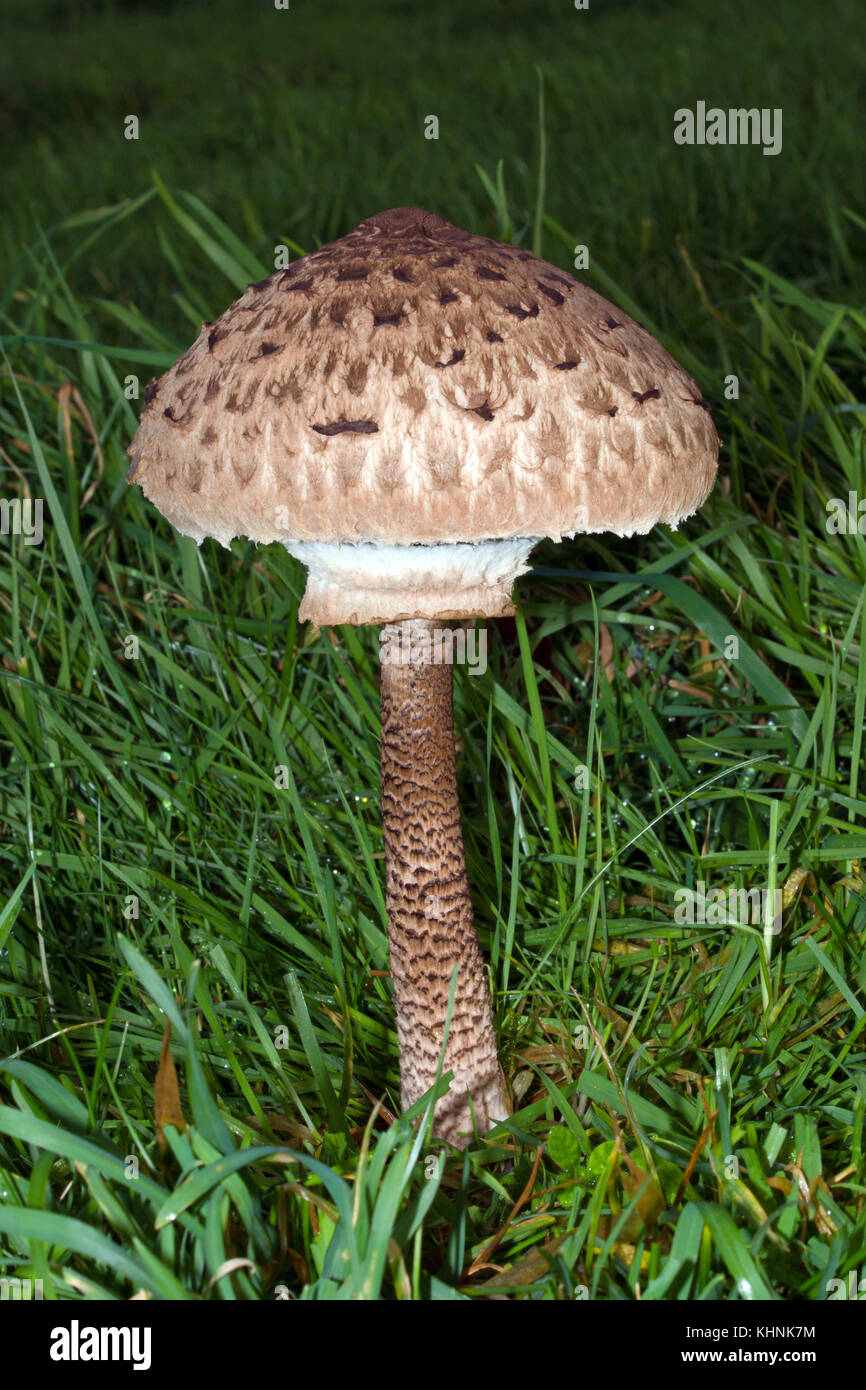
337, 389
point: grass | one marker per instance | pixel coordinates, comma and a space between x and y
199, 1068
293, 125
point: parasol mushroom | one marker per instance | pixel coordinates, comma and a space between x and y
409, 410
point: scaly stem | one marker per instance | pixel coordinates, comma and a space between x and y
430, 923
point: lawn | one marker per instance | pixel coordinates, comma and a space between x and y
199, 1092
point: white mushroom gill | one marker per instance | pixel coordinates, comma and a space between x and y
462, 564
367, 582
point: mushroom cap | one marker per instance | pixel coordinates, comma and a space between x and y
414, 384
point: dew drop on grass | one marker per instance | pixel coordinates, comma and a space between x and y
166, 757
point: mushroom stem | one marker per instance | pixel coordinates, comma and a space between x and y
430, 923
